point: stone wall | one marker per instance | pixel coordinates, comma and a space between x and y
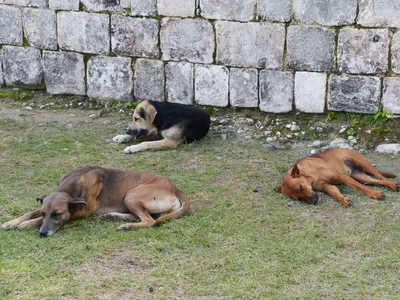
277, 55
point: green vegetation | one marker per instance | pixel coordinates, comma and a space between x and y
16, 95
242, 239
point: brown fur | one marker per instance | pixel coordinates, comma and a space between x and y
125, 195
324, 170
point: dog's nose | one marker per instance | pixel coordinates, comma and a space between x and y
43, 233
314, 200
128, 130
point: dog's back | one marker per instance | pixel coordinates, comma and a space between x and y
193, 122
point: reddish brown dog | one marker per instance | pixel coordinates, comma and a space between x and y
323, 171
124, 195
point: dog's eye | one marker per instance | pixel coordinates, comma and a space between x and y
301, 188
135, 119
56, 215
43, 214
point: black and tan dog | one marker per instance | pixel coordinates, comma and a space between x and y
323, 171
170, 122
123, 195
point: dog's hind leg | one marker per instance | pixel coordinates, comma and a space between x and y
120, 216
365, 179
28, 216
335, 193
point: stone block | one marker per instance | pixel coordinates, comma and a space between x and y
134, 36
10, 25
22, 67
237, 10
391, 94
276, 91
310, 48
258, 45
211, 85
243, 87
396, 53
359, 94
105, 5
274, 10
64, 4
1, 69
109, 78
83, 32
309, 92
64, 73
179, 82
40, 28
31, 3
379, 13
149, 80
363, 51
325, 12
145, 8
176, 8
187, 39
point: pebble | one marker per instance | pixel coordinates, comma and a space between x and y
312, 152
388, 148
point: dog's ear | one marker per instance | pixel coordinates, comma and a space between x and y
151, 112
76, 204
142, 113
278, 188
295, 171
41, 198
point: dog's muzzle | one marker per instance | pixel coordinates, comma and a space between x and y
137, 134
314, 200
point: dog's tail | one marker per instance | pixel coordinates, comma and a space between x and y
387, 175
179, 212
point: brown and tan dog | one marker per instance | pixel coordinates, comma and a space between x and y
123, 195
171, 123
322, 171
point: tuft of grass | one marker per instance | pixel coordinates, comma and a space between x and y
241, 240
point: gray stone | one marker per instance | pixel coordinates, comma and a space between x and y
338, 143
187, 39
359, 94
22, 67
211, 85
179, 82
149, 80
10, 25
1, 69
310, 48
105, 5
64, 4
238, 10
64, 73
243, 87
143, 8
134, 36
31, 3
258, 45
40, 28
309, 92
109, 78
325, 12
391, 94
396, 52
363, 51
83, 32
275, 10
176, 8
379, 13
276, 91
388, 148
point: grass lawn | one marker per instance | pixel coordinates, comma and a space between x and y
242, 240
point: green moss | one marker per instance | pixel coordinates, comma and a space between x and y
17, 95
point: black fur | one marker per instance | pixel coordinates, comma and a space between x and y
195, 122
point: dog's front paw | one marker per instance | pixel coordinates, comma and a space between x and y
9, 225
377, 195
347, 201
124, 227
132, 149
122, 138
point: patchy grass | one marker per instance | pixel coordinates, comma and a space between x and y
242, 240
